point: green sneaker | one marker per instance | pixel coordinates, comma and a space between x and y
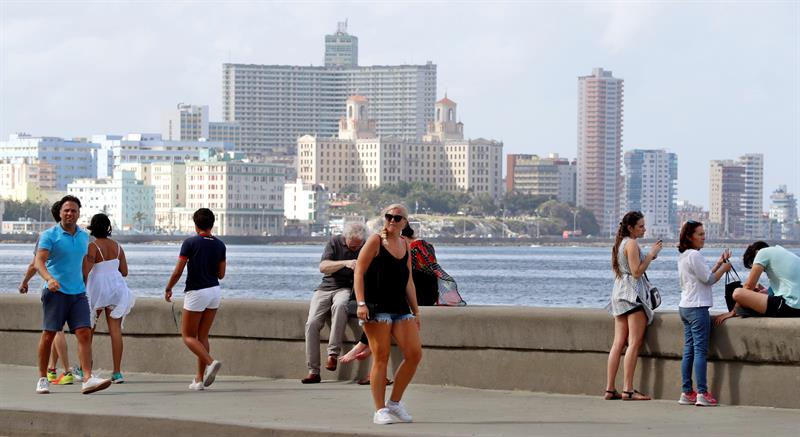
51, 375
64, 379
78, 374
116, 378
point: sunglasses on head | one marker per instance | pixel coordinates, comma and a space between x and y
396, 218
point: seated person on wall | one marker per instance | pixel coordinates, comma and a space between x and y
783, 269
338, 264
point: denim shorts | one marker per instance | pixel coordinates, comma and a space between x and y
59, 308
391, 317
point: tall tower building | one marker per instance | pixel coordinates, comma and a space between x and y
341, 48
651, 178
185, 123
753, 198
599, 172
784, 211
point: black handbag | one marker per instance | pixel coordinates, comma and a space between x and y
653, 294
731, 284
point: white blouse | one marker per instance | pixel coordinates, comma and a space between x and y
696, 280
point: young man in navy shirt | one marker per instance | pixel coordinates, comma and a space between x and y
205, 256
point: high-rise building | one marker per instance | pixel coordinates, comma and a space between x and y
736, 191
599, 172
72, 159
276, 104
185, 123
651, 178
552, 177
341, 48
784, 211
359, 158
753, 198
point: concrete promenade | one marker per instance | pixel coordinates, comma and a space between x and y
151, 404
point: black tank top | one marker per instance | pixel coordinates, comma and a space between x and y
385, 283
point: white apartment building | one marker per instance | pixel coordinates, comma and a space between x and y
359, 158
753, 198
169, 182
552, 176
127, 201
736, 197
28, 179
306, 203
117, 150
651, 178
72, 159
599, 175
276, 104
246, 197
185, 122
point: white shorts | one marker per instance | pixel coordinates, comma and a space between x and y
201, 300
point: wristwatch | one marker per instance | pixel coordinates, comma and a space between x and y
361, 303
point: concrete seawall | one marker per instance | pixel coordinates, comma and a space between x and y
751, 361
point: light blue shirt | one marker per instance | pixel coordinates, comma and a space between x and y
783, 270
65, 262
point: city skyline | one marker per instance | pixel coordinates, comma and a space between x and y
706, 81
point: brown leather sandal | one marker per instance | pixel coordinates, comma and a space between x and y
634, 395
612, 395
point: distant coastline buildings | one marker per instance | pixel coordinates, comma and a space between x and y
359, 158
276, 104
599, 172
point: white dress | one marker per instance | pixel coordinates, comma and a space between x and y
106, 288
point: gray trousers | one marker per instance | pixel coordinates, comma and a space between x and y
322, 303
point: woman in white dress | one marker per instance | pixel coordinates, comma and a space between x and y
104, 268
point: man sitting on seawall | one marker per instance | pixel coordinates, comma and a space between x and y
338, 265
783, 296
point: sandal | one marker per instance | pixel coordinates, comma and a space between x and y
612, 395
634, 395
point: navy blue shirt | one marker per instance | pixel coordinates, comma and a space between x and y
204, 253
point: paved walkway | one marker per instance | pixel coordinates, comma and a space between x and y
251, 406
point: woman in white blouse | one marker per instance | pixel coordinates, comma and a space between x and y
696, 280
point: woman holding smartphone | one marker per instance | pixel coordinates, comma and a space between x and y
387, 304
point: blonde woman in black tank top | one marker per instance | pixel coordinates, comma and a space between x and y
387, 306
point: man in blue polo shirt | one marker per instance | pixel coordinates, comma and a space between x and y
59, 261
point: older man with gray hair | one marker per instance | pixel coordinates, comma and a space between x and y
338, 264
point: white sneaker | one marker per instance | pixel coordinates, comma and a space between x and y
42, 387
399, 410
196, 385
94, 384
211, 373
384, 417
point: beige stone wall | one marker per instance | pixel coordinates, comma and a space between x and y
751, 361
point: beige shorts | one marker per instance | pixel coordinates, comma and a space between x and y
201, 300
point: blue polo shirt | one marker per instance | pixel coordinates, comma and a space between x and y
65, 262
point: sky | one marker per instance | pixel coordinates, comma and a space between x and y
707, 80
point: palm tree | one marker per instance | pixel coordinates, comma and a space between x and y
139, 218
